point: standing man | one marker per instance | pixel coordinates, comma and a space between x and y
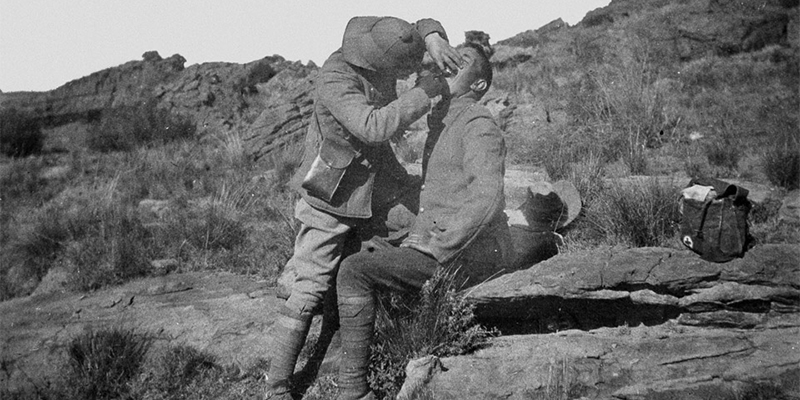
461, 222
348, 166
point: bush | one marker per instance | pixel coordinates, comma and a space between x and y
34, 252
260, 72
115, 249
103, 362
176, 373
441, 323
621, 101
127, 127
20, 134
212, 224
723, 153
635, 213
99, 240
781, 164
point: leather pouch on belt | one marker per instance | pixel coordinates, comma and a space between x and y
327, 170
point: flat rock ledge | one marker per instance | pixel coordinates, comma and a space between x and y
646, 323
620, 286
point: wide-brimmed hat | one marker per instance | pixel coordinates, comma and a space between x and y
382, 43
550, 206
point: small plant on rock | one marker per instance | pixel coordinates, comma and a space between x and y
441, 323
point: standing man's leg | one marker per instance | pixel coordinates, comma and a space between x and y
400, 269
317, 252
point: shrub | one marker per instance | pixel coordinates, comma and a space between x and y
103, 362
259, 72
441, 323
621, 101
34, 252
20, 134
116, 249
100, 240
176, 373
127, 127
588, 177
723, 153
212, 224
781, 164
636, 213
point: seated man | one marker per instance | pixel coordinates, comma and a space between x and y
461, 222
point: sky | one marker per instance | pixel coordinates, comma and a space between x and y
47, 43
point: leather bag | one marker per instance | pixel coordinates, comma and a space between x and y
716, 226
327, 169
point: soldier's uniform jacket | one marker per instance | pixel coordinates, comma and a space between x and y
461, 204
358, 111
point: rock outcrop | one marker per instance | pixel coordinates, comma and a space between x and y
645, 285
646, 323
701, 27
670, 361
86, 97
283, 121
683, 30
214, 94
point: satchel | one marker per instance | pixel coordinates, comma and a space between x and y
328, 168
714, 219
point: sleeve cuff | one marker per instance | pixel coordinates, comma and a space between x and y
427, 26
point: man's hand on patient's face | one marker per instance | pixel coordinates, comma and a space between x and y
432, 84
444, 55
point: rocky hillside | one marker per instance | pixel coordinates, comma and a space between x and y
214, 95
674, 30
611, 323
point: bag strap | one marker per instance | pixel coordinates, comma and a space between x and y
706, 205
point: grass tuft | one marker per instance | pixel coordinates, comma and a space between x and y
781, 164
102, 363
440, 322
636, 213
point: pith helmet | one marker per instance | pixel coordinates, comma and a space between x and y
382, 44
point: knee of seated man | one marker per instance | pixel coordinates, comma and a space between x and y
354, 273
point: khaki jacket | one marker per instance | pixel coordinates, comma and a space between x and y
359, 110
461, 205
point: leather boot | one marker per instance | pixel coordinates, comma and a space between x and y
290, 335
356, 324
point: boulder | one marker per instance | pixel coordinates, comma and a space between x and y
649, 323
669, 361
642, 285
283, 121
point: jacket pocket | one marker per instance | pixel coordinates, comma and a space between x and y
327, 169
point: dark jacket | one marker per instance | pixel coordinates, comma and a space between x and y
359, 110
461, 205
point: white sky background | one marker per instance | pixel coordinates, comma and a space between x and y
47, 43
